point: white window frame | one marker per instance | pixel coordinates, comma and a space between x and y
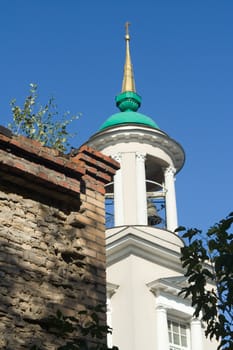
167, 298
179, 321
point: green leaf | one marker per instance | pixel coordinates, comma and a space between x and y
180, 228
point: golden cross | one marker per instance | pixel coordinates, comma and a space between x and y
127, 24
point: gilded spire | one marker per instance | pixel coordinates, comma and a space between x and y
128, 99
128, 83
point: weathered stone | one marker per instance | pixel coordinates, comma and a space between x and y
51, 251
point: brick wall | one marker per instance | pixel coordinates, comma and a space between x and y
51, 220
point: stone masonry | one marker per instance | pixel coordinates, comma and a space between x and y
52, 242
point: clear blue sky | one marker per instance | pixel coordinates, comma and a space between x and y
182, 52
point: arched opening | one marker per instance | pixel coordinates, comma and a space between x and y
155, 191
156, 208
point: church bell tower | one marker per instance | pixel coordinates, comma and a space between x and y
144, 273
143, 192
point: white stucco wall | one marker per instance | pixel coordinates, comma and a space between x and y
133, 305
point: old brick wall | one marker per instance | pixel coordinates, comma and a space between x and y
52, 244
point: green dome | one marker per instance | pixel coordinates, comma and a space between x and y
128, 117
128, 102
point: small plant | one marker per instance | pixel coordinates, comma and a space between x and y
41, 123
87, 324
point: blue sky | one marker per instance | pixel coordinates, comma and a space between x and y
182, 53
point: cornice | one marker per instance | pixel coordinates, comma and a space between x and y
140, 134
168, 285
135, 240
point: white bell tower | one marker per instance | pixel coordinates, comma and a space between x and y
144, 272
144, 188
149, 160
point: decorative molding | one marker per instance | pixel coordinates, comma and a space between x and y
140, 156
158, 246
139, 134
161, 307
117, 157
111, 289
170, 171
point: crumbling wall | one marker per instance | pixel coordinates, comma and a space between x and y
52, 244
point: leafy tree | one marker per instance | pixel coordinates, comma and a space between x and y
209, 270
41, 123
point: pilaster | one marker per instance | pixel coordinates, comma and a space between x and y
141, 189
118, 194
161, 331
196, 334
171, 210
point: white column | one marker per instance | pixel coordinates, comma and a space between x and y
118, 195
109, 322
141, 189
161, 328
171, 211
196, 335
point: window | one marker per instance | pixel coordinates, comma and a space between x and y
177, 335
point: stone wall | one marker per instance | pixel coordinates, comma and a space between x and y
52, 244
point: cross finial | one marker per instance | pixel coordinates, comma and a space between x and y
128, 79
127, 24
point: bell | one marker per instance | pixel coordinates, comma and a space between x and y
152, 214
